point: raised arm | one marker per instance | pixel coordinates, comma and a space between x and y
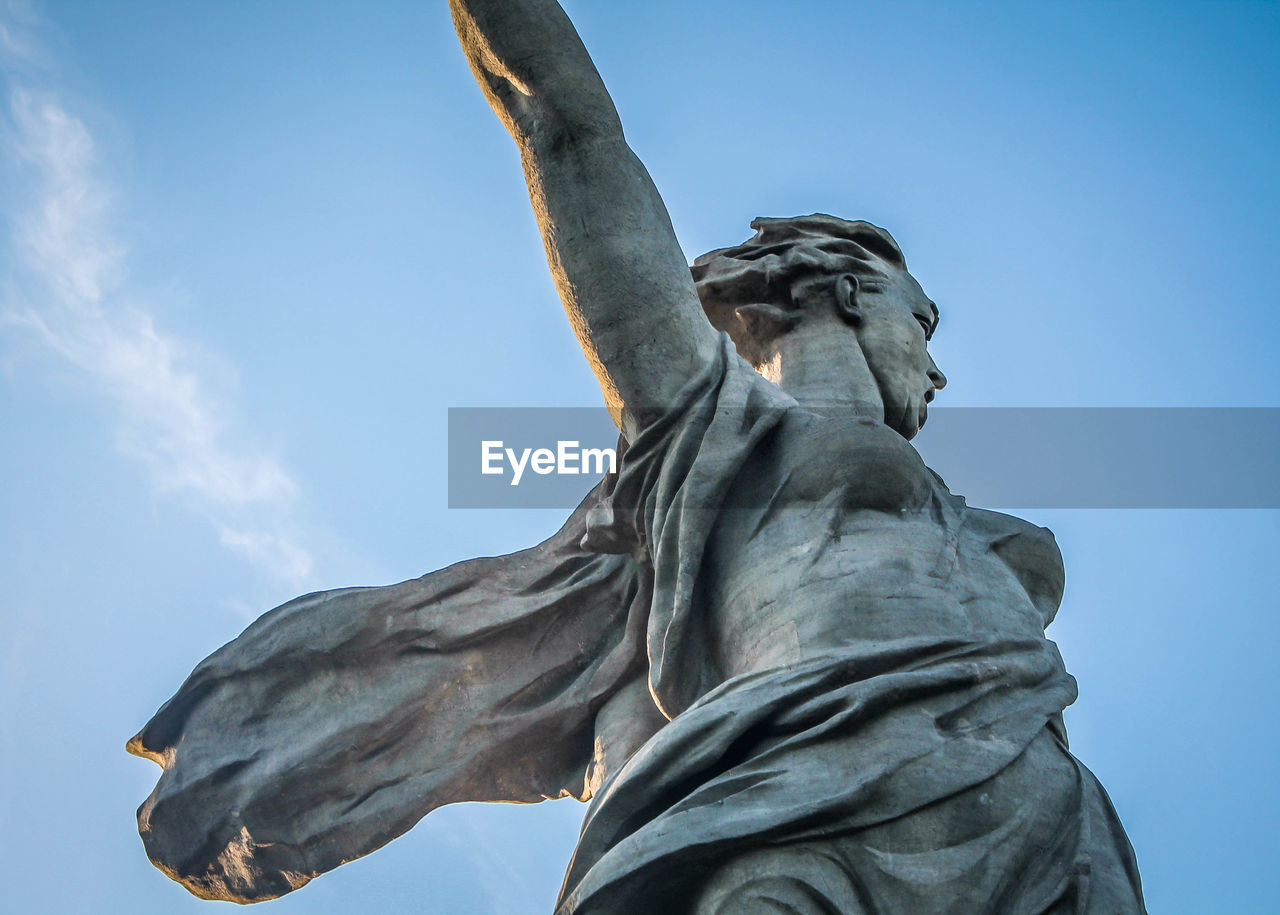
613, 254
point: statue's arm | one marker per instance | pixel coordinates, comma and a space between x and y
613, 255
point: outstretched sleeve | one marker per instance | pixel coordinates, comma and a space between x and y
338, 720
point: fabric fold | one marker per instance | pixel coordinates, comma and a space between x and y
338, 720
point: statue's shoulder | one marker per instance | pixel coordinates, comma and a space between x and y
1030, 551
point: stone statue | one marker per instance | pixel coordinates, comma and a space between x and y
789, 669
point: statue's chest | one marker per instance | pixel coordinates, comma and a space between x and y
843, 463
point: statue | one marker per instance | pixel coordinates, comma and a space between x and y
788, 668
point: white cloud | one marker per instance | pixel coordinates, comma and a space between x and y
16, 48
286, 558
75, 297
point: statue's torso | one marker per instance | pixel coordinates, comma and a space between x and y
836, 531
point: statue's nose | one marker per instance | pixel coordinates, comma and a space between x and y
938, 379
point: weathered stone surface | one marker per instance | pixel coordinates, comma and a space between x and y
786, 665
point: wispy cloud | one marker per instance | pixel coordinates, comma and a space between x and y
70, 288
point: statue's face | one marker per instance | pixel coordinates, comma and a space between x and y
893, 329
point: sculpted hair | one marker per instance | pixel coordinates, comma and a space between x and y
749, 290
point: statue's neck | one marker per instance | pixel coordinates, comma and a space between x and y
820, 363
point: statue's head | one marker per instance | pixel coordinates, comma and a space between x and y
821, 269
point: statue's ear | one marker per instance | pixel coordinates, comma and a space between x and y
763, 321
847, 305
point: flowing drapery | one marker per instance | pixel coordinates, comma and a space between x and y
337, 721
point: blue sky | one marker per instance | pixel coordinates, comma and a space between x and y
252, 253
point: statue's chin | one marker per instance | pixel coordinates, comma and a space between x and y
906, 419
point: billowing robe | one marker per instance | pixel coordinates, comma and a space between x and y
335, 722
